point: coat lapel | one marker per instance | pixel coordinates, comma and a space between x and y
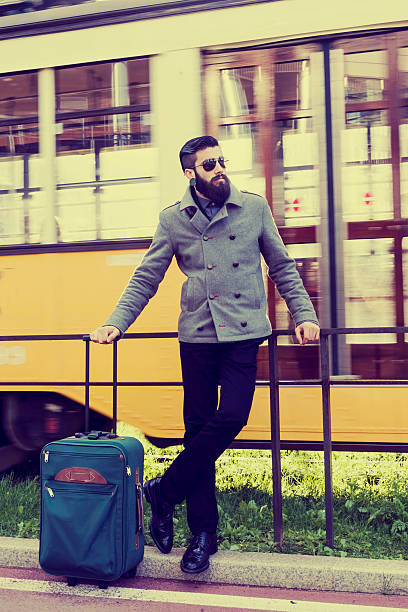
198, 219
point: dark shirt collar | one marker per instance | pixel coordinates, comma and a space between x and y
205, 203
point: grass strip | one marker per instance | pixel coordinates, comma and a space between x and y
370, 501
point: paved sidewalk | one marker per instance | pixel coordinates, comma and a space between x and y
258, 569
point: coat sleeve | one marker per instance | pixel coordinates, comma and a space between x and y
145, 280
282, 270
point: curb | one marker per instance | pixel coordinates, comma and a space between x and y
257, 569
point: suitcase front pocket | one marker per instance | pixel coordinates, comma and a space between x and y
81, 530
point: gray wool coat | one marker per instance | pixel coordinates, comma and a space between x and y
223, 298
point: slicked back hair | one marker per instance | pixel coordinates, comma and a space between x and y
188, 151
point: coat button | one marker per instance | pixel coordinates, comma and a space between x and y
232, 237
205, 237
244, 323
235, 264
237, 295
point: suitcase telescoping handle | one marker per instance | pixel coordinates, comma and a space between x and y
92, 435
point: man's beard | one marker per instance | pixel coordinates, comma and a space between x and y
216, 190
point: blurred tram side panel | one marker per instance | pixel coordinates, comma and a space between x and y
317, 122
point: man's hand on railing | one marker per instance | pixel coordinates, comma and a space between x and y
306, 332
105, 334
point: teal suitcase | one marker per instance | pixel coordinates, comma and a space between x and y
92, 502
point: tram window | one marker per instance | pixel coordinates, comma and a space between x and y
78, 165
367, 169
365, 76
129, 210
307, 258
83, 87
17, 141
127, 163
138, 74
77, 213
105, 162
240, 146
405, 278
104, 85
403, 71
292, 85
237, 91
19, 183
299, 158
18, 95
369, 288
403, 130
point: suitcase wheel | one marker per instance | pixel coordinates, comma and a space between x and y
130, 573
72, 581
103, 585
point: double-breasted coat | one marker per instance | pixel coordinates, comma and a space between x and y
223, 298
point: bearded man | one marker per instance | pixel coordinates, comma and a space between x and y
217, 234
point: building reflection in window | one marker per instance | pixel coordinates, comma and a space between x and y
367, 169
365, 77
403, 128
237, 91
299, 159
292, 85
241, 148
369, 287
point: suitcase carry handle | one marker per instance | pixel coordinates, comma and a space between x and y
94, 434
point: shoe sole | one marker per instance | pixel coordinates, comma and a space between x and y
157, 542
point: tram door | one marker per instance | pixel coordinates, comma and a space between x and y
322, 132
369, 89
267, 110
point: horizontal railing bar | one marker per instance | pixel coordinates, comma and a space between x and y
91, 384
275, 332
34, 337
336, 382
285, 383
347, 330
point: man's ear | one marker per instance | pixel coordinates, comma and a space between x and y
189, 173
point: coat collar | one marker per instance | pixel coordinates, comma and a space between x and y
198, 219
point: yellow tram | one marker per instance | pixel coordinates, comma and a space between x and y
311, 109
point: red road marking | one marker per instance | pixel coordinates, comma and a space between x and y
362, 599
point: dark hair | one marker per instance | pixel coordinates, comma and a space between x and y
188, 151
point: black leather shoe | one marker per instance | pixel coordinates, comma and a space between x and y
196, 558
161, 523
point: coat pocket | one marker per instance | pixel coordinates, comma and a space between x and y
194, 294
80, 530
254, 284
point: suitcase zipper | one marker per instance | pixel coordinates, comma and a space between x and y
47, 455
52, 494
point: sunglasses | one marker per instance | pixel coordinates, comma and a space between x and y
209, 164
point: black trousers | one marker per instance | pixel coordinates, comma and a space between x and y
210, 426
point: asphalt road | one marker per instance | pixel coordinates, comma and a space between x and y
32, 589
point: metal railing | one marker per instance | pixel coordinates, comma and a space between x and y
326, 384
274, 384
